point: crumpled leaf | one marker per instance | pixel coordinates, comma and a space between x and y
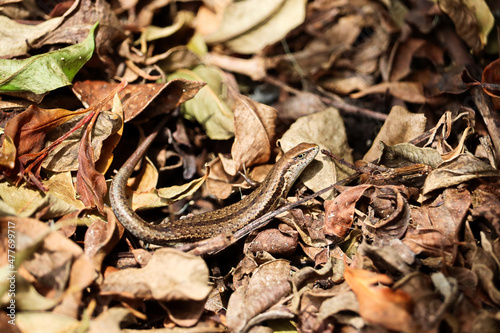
280, 242
404, 154
210, 106
16, 38
489, 82
178, 192
268, 285
25, 201
45, 72
388, 214
58, 264
434, 225
485, 265
29, 130
170, 276
152, 32
101, 237
239, 17
74, 28
459, 170
64, 157
90, 183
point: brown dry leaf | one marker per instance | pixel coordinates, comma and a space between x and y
29, 129
174, 193
248, 26
326, 129
406, 154
254, 67
346, 83
340, 307
164, 196
434, 225
90, 183
17, 38
339, 213
25, 201
297, 106
486, 203
219, 181
412, 92
388, 215
58, 266
171, 276
235, 18
485, 264
146, 179
101, 237
254, 131
309, 227
64, 157
280, 242
136, 97
401, 64
400, 126
268, 285
473, 21
366, 59
459, 170
379, 304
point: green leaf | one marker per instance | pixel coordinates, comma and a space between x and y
45, 72
210, 105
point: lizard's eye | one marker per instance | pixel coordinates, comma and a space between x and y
301, 156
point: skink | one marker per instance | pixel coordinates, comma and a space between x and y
226, 220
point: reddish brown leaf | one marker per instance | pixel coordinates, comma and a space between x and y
378, 304
136, 97
339, 213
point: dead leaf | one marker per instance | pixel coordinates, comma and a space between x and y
379, 304
400, 126
472, 19
136, 97
254, 132
269, 283
412, 92
171, 276
339, 213
456, 171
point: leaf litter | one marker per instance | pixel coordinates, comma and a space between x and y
401, 96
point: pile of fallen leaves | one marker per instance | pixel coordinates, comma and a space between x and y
402, 97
